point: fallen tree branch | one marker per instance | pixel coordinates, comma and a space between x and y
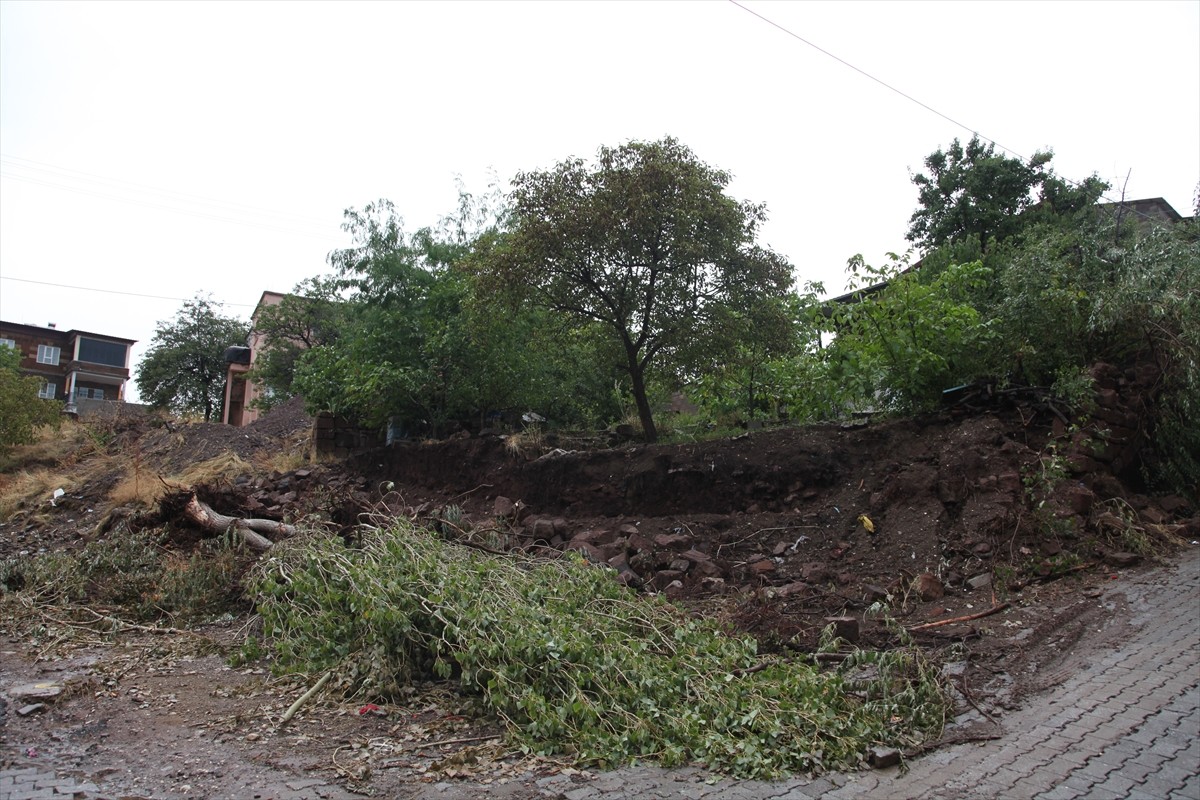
466, 740
304, 698
739, 673
1055, 575
469, 491
120, 623
250, 530
967, 618
962, 685
115, 624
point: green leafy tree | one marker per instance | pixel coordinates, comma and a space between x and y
975, 191
645, 244
184, 369
22, 412
1159, 296
310, 316
901, 346
1140, 303
419, 344
738, 378
374, 370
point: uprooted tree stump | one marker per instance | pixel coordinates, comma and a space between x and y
250, 530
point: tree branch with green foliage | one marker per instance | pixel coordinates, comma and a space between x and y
576, 664
975, 191
184, 369
646, 244
22, 412
312, 315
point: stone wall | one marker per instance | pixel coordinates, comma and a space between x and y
338, 437
1112, 440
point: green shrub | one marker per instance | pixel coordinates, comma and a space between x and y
133, 573
573, 662
900, 347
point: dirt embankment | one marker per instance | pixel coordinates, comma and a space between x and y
775, 531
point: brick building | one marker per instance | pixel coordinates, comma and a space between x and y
73, 364
240, 392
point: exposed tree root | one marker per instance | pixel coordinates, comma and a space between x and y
250, 530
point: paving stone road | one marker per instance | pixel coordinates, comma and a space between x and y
1125, 727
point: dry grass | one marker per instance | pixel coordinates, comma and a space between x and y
138, 487
26, 488
56, 459
226, 466
146, 487
281, 462
78, 457
67, 444
529, 443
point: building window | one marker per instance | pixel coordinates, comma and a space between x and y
96, 351
48, 354
8, 343
86, 392
47, 391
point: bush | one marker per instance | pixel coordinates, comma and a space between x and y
135, 572
1151, 310
574, 663
22, 412
900, 347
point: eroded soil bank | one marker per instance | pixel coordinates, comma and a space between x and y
774, 531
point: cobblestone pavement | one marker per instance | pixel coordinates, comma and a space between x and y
1124, 727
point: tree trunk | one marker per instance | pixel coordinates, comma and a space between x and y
643, 404
250, 530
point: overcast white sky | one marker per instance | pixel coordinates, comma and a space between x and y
170, 148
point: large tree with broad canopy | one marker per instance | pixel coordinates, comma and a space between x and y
645, 243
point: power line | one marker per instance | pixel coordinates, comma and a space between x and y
217, 210
173, 209
910, 98
866, 74
91, 177
113, 291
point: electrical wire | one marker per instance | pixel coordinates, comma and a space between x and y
925, 106
114, 291
120, 183
153, 198
866, 74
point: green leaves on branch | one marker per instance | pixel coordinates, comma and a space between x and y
644, 244
973, 191
903, 342
22, 412
576, 664
184, 369
312, 315
421, 342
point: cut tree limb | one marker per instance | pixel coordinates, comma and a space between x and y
250, 530
304, 698
967, 618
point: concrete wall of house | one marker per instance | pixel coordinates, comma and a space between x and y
236, 390
107, 409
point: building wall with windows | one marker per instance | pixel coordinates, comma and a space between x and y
73, 364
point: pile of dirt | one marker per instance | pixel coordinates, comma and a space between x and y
170, 447
934, 515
